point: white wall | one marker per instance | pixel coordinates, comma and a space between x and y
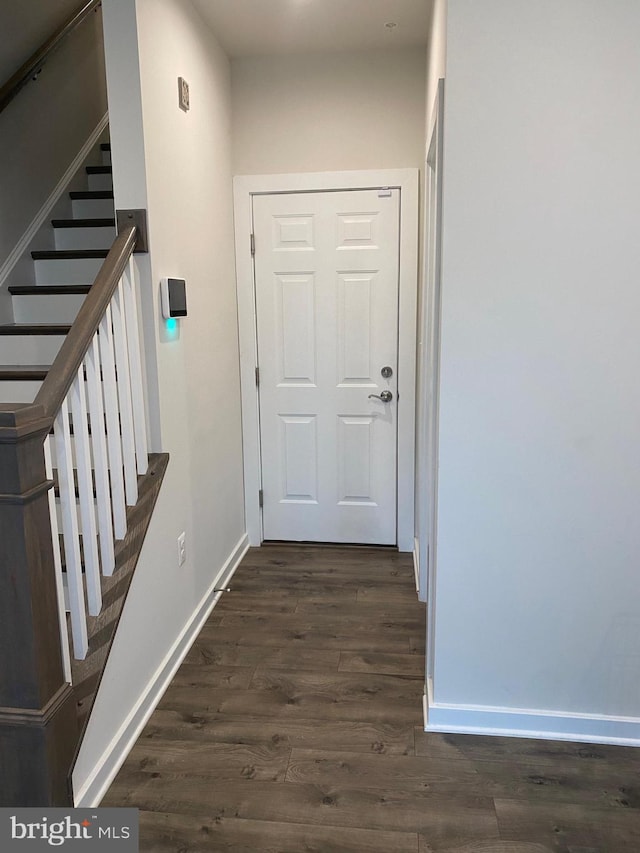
25, 26
47, 124
538, 603
179, 166
436, 50
328, 112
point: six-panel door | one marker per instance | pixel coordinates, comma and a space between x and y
326, 274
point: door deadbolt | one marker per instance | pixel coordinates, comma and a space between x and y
387, 372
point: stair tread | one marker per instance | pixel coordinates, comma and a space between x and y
84, 223
69, 254
35, 328
105, 146
48, 289
17, 372
99, 170
88, 194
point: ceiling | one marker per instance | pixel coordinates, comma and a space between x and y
267, 27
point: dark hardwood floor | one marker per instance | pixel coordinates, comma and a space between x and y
295, 725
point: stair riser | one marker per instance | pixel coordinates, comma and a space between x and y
24, 391
106, 158
30, 349
99, 182
68, 271
47, 308
18, 391
54, 457
59, 513
84, 238
92, 208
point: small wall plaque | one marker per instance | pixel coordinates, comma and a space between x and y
183, 94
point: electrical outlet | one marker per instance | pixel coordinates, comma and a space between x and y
182, 548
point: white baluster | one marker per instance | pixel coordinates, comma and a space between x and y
75, 587
57, 562
135, 363
85, 493
113, 425
124, 396
100, 460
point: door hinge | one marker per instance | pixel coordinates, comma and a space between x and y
253, 245
261, 498
257, 377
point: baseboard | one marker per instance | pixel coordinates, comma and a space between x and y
43, 214
518, 722
94, 789
416, 563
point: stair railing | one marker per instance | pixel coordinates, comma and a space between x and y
31, 69
95, 397
89, 418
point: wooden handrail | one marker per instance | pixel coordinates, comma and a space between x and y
33, 66
65, 367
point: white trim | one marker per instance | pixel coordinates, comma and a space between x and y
520, 722
96, 786
429, 482
42, 215
416, 563
406, 180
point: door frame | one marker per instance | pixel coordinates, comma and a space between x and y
244, 188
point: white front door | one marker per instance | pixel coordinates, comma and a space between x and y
326, 277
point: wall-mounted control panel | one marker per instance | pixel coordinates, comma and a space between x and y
173, 297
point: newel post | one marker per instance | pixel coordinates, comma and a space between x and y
38, 725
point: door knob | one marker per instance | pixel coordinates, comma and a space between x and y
386, 396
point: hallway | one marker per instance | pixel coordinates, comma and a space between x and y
295, 724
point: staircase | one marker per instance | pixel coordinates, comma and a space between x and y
72, 415
43, 312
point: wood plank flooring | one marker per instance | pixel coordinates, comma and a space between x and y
295, 726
